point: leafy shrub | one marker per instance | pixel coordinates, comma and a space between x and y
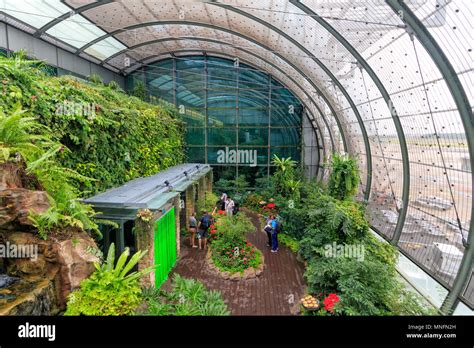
234, 228
344, 179
252, 201
323, 216
188, 297
289, 241
110, 290
234, 187
95, 78
112, 137
28, 144
207, 203
114, 86
139, 90
285, 178
368, 287
294, 220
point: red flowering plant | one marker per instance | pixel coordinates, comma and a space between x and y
330, 302
270, 206
214, 231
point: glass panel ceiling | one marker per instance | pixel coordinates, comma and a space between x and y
34, 12
105, 48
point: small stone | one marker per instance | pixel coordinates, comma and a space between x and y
6, 280
235, 276
225, 275
247, 273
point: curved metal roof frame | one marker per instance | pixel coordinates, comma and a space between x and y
224, 55
383, 91
368, 152
361, 125
138, 63
318, 90
294, 42
206, 25
463, 106
67, 15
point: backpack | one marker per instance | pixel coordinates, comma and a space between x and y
279, 227
205, 222
236, 208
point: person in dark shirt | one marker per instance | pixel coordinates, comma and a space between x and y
203, 228
268, 229
274, 232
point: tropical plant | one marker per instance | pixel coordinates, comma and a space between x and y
283, 164
285, 179
230, 249
25, 141
139, 90
112, 289
95, 78
290, 242
21, 135
344, 179
253, 201
188, 297
234, 227
115, 86
367, 287
235, 255
207, 203
234, 187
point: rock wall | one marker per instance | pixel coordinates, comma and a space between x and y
60, 263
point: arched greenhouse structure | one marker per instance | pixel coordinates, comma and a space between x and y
238, 86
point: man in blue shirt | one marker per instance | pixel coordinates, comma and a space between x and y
274, 224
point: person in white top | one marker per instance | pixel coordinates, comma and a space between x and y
229, 206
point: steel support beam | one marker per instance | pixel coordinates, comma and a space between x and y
333, 78
462, 103
398, 126
138, 63
69, 14
210, 26
248, 63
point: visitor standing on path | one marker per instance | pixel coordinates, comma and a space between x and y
203, 228
274, 224
192, 230
268, 229
229, 206
223, 201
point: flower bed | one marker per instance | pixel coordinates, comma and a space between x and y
245, 273
230, 253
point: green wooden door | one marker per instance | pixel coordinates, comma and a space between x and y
165, 246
